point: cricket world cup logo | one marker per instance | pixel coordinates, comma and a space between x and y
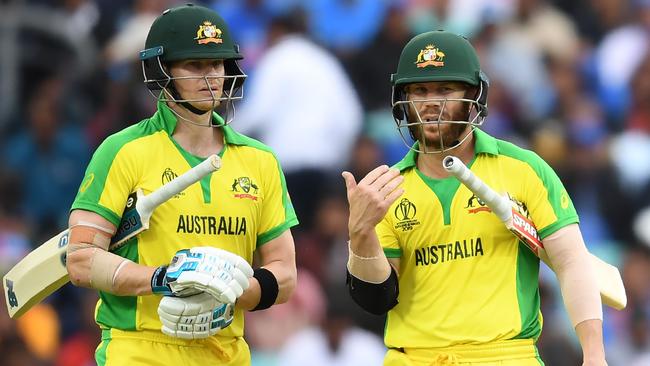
405, 212
167, 176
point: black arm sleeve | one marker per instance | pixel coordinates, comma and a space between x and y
375, 298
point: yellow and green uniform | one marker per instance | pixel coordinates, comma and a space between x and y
238, 208
464, 279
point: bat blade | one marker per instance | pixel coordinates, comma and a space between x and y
612, 290
36, 276
43, 270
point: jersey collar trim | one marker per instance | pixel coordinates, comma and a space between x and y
168, 121
483, 144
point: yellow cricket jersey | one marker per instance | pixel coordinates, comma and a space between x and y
238, 208
464, 278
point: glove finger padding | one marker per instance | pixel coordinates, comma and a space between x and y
241, 278
194, 317
222, 286
240, 263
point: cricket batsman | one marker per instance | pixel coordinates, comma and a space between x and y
175, 294
458, 288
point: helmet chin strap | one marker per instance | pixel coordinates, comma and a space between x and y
171, 90
187, 105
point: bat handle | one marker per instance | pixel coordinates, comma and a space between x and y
178, 184
500, 205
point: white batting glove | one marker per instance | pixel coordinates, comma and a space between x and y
222, 274
194, 317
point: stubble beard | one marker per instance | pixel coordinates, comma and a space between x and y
429, 135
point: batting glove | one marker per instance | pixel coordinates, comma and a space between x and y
194, 317
222, 274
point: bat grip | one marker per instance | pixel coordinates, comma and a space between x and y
178, 184
500, 205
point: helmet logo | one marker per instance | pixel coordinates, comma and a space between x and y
430, 56
207, 33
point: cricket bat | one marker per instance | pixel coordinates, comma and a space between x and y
43, 270
612, 291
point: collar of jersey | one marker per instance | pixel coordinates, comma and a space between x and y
168, 121
483, 144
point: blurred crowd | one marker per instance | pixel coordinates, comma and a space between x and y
568, 79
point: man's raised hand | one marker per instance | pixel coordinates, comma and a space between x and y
371, 197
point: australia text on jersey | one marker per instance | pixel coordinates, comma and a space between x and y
211, 225
441, 253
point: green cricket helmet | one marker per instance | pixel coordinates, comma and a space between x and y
190, 32
438, 56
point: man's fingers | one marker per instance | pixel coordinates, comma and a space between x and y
391, 185
350, 182
377, 178
394, 195
374, 174
384, 179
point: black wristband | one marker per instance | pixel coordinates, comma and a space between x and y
268, 287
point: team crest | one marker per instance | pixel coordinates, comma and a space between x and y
476, 205
430, 56
207, 33
244, 187
405, 212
